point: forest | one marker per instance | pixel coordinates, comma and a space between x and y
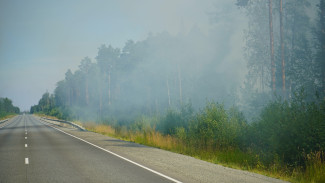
186, 87
7, 108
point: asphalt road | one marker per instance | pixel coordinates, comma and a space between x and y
31, 151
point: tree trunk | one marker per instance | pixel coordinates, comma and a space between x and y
109, 85
109, 88
282, 51
100, 102
262, 79
272, 46
70, 96
87, 94
180, 85
322, 44
291, 52
168, 92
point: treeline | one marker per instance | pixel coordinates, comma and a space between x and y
284, 53
7, 108
143, 78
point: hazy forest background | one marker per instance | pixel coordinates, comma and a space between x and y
186, 87
7, 108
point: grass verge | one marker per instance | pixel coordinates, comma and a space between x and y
233, 158
7, 116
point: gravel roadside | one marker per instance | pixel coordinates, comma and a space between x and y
5, 122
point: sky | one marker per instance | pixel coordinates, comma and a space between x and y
41, 39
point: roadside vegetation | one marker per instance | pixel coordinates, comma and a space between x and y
286, 141
7, 109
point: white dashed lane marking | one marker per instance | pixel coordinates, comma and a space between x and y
26, 161
25, 145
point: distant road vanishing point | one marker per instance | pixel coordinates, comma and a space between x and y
33, 150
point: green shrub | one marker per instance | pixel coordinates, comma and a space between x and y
175, 119
215, 128
289, 130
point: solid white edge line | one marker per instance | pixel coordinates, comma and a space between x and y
130, 161
26, 161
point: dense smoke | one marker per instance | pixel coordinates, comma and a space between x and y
168, 71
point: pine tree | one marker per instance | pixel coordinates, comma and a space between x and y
320, 46
300, 66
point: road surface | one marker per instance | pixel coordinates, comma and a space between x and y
31, 151
35, 151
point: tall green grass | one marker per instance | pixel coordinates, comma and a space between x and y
234, 158
314, 170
